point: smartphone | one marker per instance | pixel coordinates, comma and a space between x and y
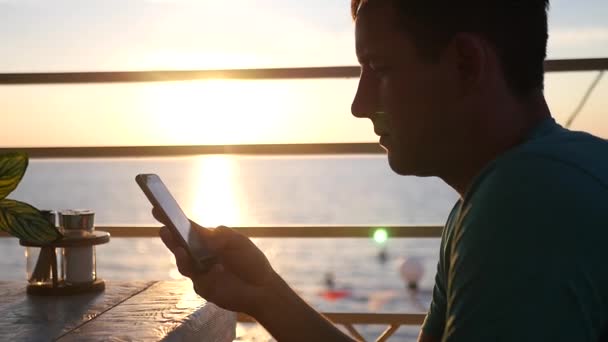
179, 224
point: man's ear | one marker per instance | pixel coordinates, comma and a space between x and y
468, 57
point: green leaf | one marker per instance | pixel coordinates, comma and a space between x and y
12, 169
26, 222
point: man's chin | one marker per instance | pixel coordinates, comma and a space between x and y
402, 165
397, 164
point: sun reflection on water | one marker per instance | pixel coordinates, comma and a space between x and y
215, 197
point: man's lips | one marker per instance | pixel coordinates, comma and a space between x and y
384, 140
380, 131
381, 127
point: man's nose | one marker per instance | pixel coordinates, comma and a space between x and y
365, 102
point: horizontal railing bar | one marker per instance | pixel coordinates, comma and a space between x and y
178, 75
581, 64
361, 318
173, 151
342, 232
292, 231
558, 65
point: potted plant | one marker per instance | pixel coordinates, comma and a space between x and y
22, 220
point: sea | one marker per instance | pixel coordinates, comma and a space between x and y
245, 190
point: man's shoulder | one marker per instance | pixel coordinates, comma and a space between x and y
564, 149
557, 177
532, 201
533, 182
560, 162
533, 223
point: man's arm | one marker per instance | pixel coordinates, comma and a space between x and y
434, 323
289, 318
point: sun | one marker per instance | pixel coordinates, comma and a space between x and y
214, 112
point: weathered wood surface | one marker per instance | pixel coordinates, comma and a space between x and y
126, 311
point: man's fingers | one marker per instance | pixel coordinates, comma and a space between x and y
167, 237
219, 240
224, 238
205, 283
182, 259
159, 216
183, 262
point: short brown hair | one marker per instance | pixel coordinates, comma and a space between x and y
516, 28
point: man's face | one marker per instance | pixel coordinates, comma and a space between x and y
410, 100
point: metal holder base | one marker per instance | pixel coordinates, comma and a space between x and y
63, 289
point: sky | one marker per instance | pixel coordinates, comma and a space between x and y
121, 35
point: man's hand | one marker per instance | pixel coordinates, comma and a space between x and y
244, 281
240, 279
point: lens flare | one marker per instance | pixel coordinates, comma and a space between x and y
380, 235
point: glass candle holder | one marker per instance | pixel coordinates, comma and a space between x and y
66, 266
44, 265
79, 265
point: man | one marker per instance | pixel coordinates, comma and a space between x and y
455, 90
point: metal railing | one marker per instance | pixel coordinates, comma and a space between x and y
290, 231
558, 65
348, 320
562, 65
299, 231
173, 151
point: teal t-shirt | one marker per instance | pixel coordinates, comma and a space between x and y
524, 255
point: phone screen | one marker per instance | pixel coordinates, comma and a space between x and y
159, 195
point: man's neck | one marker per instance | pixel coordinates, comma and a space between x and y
506, 128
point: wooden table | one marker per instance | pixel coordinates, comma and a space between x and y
125, 311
